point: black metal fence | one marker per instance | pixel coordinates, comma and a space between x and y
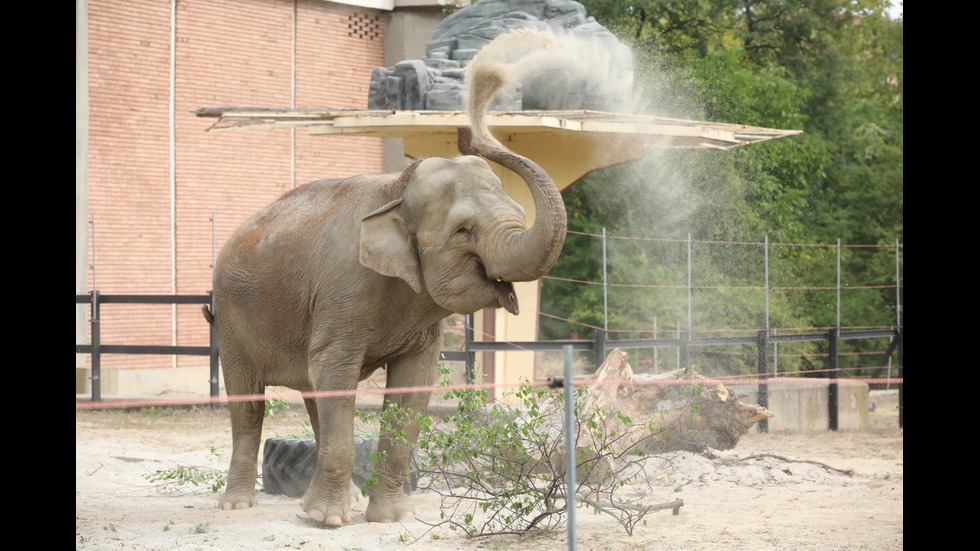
97, 348
600, 345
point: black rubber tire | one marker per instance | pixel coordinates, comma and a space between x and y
288, 465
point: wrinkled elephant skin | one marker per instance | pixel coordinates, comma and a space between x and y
340, 277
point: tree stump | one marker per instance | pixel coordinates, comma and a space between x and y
684, 416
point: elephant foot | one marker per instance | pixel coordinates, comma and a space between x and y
333, 511
390, 509
237, 499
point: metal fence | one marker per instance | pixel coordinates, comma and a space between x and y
95, 300
600, 346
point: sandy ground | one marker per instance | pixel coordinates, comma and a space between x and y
772, 491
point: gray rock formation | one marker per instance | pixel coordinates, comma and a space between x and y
594, 71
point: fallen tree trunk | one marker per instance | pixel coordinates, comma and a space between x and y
666, 414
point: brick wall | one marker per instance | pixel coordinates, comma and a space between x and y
228, 53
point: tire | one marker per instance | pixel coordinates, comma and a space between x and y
288, 465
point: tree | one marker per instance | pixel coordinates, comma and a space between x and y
831, 68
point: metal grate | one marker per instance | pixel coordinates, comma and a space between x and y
364, 26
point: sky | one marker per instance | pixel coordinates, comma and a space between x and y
895, 11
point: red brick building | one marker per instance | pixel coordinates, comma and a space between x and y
156, 193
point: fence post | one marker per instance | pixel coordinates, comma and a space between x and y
600, 347
96, 350
833, 397
901, 376
213, 344
684, 350
762, 345
467, 345
570, 455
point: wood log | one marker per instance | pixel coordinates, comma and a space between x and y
667, 415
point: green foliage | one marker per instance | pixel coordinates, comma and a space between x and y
500, 469
201, 528
831, 68
184, 479
274, 406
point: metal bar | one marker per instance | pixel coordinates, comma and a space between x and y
454, 356
213, 361
901, 377
605, 285
805, 337
690, 321
867, 334
468, 322
685, 351
833, 389
767, 280
96, 377
570, 455
886, 359
155, 299
762, 345
501, 346
600, 348
898, 302
162, 349
838, 283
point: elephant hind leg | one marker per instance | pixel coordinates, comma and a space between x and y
314, 418
246, 433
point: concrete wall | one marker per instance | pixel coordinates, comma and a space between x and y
405, 38
804, 407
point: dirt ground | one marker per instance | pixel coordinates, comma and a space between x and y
826, 491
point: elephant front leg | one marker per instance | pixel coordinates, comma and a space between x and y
328, 497
387, 500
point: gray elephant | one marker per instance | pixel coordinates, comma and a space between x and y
341, 277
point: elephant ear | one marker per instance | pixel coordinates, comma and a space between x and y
388, 248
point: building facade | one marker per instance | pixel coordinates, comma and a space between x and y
156, 193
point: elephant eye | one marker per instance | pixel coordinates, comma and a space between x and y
462, 229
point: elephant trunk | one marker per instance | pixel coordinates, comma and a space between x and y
526, 255
529, 255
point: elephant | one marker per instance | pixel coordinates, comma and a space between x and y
340, 277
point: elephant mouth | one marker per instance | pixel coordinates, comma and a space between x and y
504, 291
506, 295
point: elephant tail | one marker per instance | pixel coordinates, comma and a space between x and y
207, 314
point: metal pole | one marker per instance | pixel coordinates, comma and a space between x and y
656, 369
775, 355
838, 283
468, 324
91, 222
570, 447
833, 389
212, 243
901, 376
767, 281
678, 345
600, 348
898, 302
762, 346
213, 361
96, 349
605, 287
689, 322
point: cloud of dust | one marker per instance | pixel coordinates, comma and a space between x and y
594, 70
